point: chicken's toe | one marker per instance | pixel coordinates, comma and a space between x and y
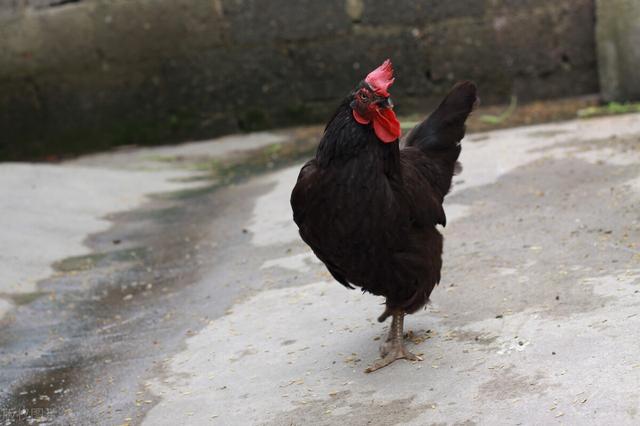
393, 353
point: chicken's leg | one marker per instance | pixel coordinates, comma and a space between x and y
393, 348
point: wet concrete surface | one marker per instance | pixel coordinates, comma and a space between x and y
203, 307
77, 349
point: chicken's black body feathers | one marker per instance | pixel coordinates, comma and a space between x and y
369, 210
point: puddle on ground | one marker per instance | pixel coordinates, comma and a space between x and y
20, 299
36, 400
90, 261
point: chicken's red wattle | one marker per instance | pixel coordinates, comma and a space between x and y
385, 124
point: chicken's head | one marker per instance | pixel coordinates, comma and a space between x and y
371, 103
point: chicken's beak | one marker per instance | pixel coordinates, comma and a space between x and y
386, 103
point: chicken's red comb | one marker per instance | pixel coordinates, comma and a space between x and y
381, 78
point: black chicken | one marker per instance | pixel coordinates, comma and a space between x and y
369, 208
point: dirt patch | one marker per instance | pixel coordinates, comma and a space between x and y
338, 409
506, 384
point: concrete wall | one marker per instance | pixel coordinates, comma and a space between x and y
91, 74
618, 40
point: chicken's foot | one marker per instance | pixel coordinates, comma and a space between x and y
393, 348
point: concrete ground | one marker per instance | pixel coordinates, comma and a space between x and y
202, 306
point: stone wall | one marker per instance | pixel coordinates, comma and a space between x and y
86, 75
618, 40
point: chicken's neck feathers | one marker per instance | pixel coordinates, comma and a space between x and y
345, 140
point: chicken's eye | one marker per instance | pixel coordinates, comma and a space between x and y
363, 96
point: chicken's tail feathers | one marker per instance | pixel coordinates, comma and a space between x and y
439, 136
445, 127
